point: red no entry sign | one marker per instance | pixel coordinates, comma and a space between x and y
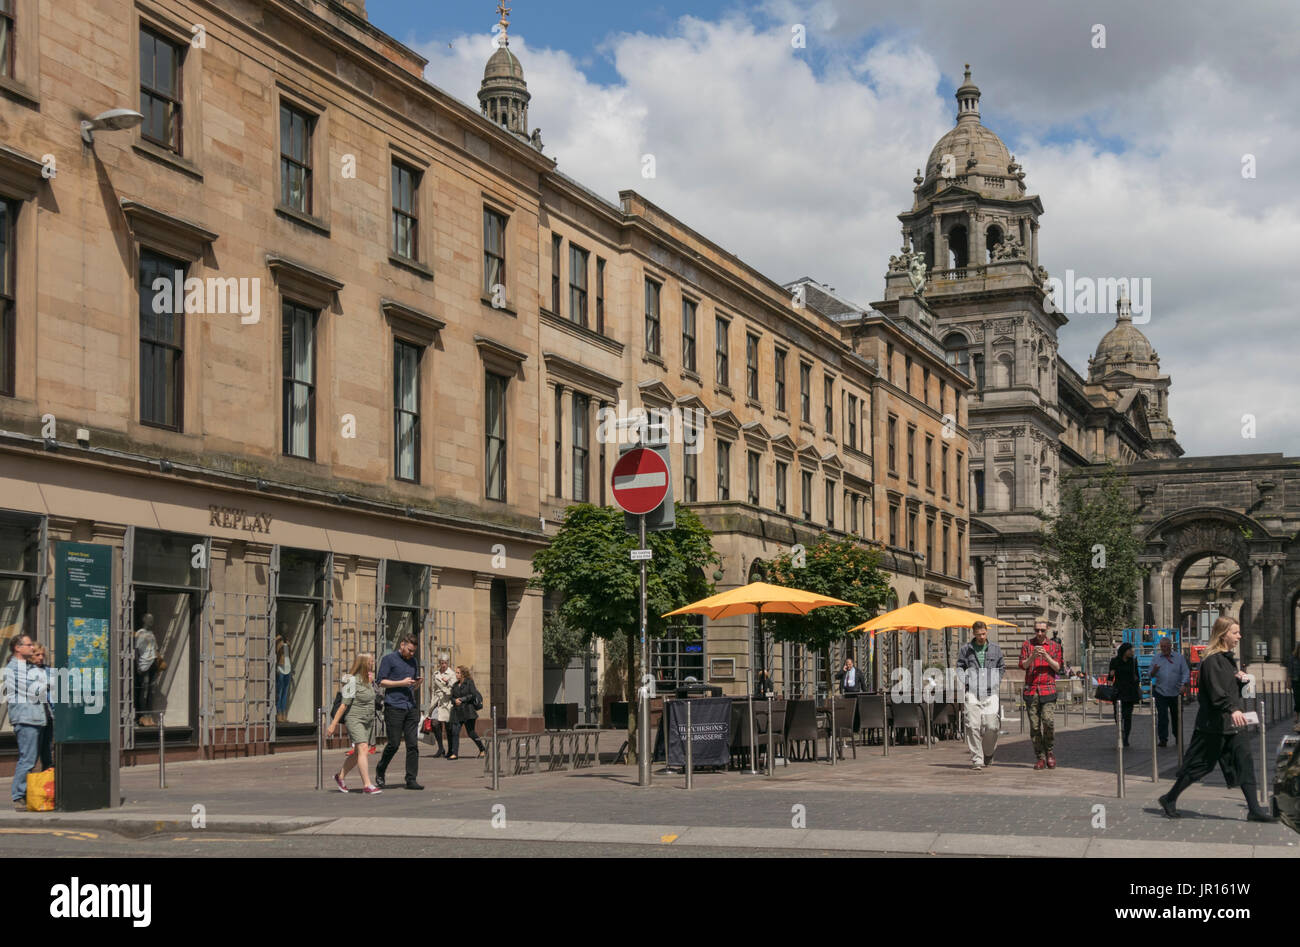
640, 481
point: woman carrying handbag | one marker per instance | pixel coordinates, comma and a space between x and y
440, 708
1127, 683
466, 703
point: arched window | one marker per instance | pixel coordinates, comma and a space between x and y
958, 248
992, 238
1005, 491
1004, 370
958, 355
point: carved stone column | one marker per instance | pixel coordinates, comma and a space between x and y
1033, 242
940, 261
973, 257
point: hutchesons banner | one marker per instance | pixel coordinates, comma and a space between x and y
711, 726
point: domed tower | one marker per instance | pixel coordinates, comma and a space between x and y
503, 95
1125, 364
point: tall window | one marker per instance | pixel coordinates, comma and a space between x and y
688, 335
961, 556
946, 537
160, 90
911, 453
779, 367
853, 422
929, 462
558, 428
907, 374
893, 524
557, 247
782, 480
494, 403
893, 443
690, 476
8, 309
600, 295
406, 216
7, 38
295, 159
298, 350
494, 252
406, 410
162, 342
889, 362
724, 470
925, 385
652, 290
805, 392
578, 285
806, 493
958, 478
911, 530
943, 470
581, 447
721, 367
978, 477
828, 395
752, 469
929, 543
830, 504
751, 366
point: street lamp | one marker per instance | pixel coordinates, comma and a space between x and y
113, 120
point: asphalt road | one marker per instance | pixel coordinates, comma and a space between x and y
69, 843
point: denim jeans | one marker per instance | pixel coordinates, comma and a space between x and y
282, 682
29, 740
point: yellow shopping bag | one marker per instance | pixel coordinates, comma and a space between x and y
40, 791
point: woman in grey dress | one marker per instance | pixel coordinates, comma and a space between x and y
357, 710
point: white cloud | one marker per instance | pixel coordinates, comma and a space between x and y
799, 160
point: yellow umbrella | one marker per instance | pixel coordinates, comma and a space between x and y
963, 619
912, 617
758, 598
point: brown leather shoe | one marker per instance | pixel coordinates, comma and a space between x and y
1041, 764
1051, 760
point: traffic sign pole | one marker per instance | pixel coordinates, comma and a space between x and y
643, 757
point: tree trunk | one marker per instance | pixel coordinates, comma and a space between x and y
633, 681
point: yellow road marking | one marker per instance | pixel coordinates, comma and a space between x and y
668, 839
61, 833
197, 838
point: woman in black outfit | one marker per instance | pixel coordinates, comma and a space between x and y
466, 702
1220, 735
1128, 690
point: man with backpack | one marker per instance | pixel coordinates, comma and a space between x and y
400, 675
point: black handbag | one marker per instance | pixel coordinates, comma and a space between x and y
1105, 692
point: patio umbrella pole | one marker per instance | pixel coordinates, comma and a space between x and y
749, 689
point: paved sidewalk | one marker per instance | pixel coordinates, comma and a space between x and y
917, 799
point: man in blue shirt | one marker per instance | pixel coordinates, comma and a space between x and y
24, 691
400, 675
1169, 678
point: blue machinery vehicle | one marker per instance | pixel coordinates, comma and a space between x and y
1146, 645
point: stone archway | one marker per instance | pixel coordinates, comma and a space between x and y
1182, 540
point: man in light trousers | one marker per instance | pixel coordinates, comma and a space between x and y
982, 667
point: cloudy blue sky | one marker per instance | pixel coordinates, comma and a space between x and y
799, 159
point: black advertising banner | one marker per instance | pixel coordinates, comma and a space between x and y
710, 725
83, 624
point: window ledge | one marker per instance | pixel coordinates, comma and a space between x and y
691, 376
419, 269
307, 220
174, 161
753, 403
654, 359
487, 301
723, 390
19, 91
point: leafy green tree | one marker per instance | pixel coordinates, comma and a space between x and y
1089, 555
587, 566
841, 568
